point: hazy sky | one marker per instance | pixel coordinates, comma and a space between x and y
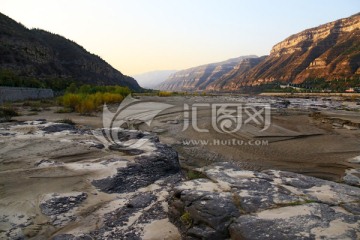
137, 36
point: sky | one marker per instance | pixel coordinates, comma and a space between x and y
137, 36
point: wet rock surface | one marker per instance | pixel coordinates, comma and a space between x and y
238, 204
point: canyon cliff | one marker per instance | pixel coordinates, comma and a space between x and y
330, 51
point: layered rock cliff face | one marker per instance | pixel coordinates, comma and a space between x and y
330, 51
43, 55
241, 71
198, 78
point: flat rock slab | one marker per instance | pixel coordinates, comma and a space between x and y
238, 204
307, 221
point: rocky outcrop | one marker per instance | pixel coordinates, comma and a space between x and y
42, 55
237, 204
198, 78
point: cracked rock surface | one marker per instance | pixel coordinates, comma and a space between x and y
238, 204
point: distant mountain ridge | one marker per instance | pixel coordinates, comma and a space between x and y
198, 78
330, 51
153, 79
43, 55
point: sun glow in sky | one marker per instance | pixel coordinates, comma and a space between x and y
137, 36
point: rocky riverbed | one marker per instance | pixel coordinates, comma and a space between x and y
59, 181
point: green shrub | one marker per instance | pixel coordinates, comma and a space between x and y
86, 106
71, 100
88, 103
186, 219
89, 98
191, 174
165, 94
112, 98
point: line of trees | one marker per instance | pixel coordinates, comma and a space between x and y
10, 79
312, 85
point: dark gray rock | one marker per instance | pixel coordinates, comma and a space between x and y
116, 224
211, 213
126, 135
353, 207
141, 201
58, 127
144, 171
98, 146
238, 204
61, 204
41, 120
71, 237
121, 216
352, 177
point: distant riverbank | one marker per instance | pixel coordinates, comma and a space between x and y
282, 94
